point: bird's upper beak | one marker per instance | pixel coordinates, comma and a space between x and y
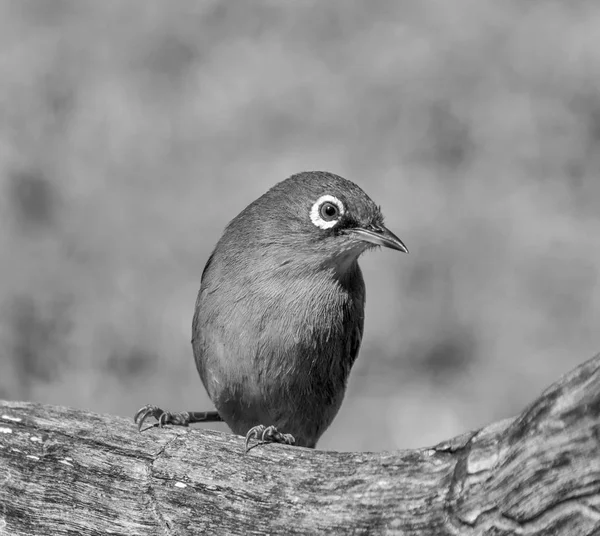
380, 236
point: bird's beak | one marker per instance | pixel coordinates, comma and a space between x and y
380, 236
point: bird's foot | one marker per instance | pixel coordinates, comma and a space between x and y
268, 434
162, 417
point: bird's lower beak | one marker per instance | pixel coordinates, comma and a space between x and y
380, 236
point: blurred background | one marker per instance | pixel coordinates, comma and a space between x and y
132, 131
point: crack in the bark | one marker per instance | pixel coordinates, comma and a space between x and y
458, 477
150, 478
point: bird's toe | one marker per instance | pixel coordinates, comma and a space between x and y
268, 434
146, 412
162, 417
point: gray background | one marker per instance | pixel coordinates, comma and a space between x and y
131, 132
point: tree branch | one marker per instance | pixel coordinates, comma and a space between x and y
66, 471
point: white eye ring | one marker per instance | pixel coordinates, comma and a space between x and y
315, 211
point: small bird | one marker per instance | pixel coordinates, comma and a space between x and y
280, 312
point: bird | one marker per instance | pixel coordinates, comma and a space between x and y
279, 316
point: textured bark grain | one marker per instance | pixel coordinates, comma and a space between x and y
66, 471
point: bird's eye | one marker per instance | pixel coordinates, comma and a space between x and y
329, 211
326, 212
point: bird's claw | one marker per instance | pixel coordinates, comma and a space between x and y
268, 434
162, 417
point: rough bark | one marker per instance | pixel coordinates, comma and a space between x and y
66, 471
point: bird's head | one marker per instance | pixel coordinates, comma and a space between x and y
314, 217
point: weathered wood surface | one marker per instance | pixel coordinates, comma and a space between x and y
65, 471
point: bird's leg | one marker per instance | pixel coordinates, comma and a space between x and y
184, 418
268, 434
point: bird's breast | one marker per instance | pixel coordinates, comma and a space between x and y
278, 346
